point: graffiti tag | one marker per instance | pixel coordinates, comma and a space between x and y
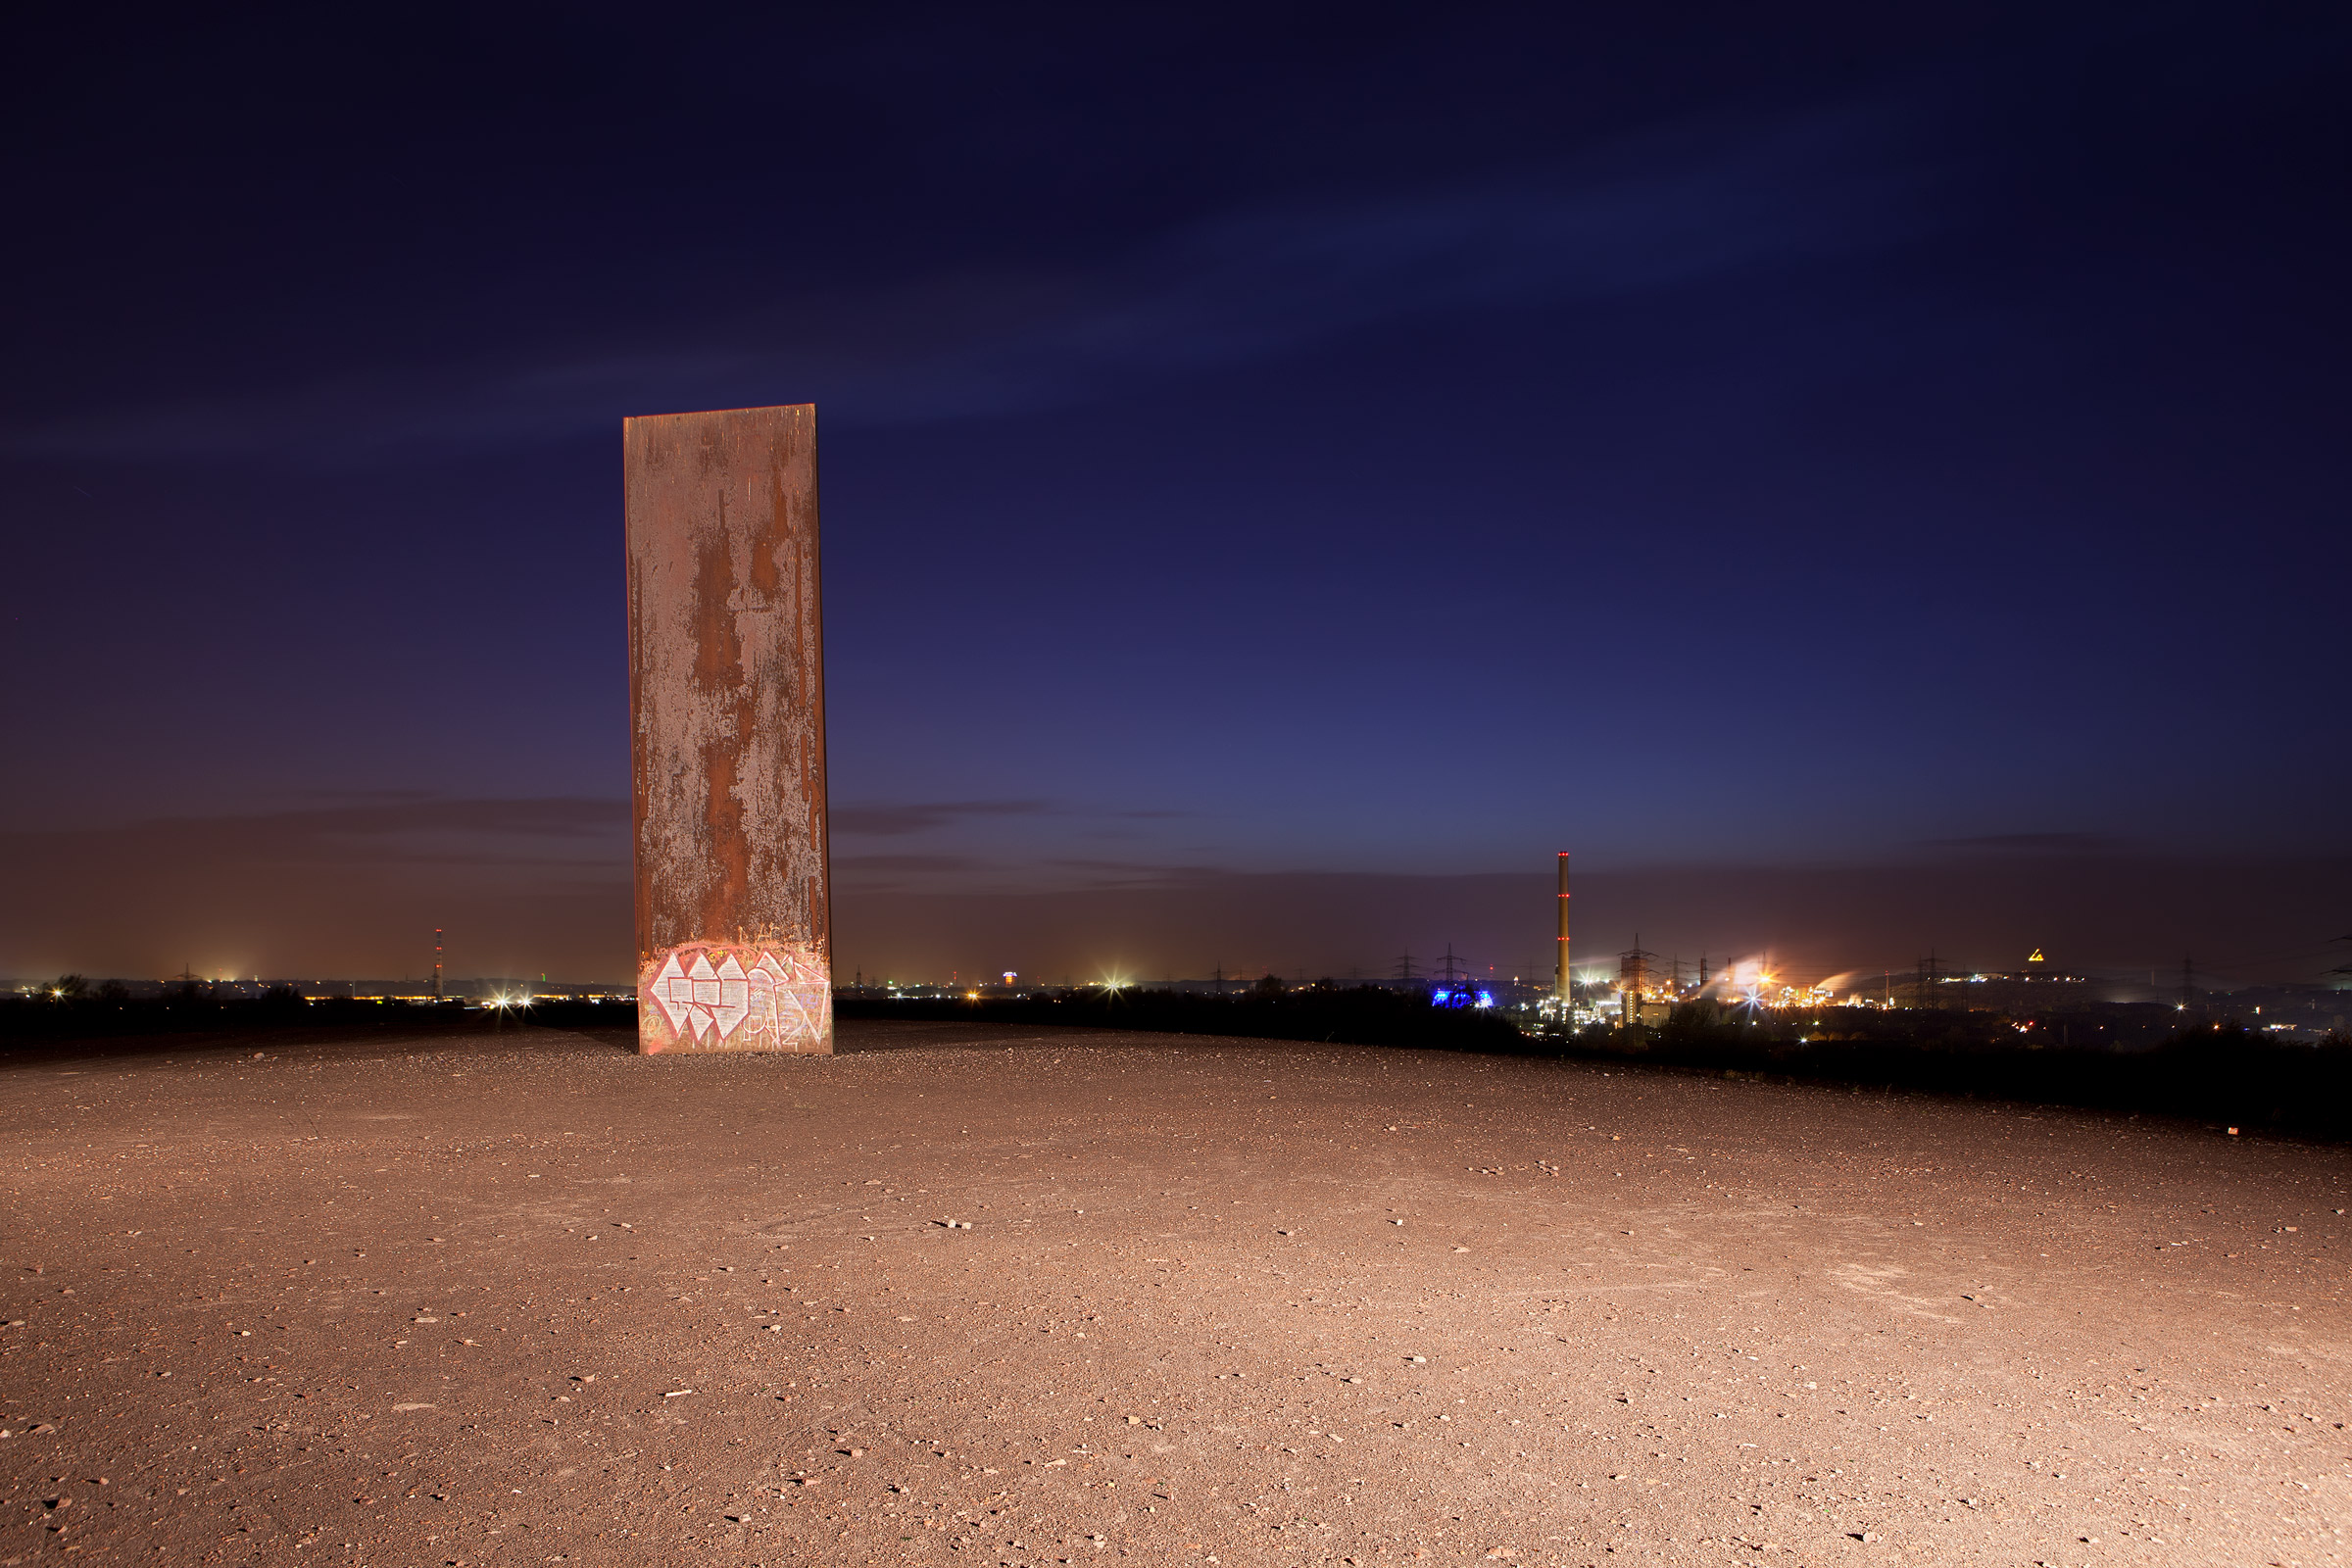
779, 999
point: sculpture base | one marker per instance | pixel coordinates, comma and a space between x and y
735, 996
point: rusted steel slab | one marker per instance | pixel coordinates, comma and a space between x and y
728, 732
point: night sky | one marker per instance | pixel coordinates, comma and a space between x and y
1863, 477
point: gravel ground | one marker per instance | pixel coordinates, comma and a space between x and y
981, 1295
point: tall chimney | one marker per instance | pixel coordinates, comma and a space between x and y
1559, 981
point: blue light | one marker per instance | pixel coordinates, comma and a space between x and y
1439, 996
1485, 999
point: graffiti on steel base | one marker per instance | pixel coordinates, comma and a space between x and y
767, 995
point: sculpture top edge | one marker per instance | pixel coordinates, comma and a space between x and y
704, 414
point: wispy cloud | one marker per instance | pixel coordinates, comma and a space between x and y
891, 820
854, 863
405, 829
2034, 843
364, 795
1101, 873
1669, 209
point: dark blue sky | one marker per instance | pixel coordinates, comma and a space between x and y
1259, 444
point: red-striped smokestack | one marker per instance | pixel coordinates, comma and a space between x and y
1560, 980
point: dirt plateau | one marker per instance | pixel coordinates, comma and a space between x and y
974, 1294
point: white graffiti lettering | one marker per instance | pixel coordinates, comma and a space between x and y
781, 1001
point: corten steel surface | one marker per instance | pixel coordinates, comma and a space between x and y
728, 732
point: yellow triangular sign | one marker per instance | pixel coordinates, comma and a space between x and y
2037, 957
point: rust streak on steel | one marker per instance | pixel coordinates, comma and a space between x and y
727, 731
